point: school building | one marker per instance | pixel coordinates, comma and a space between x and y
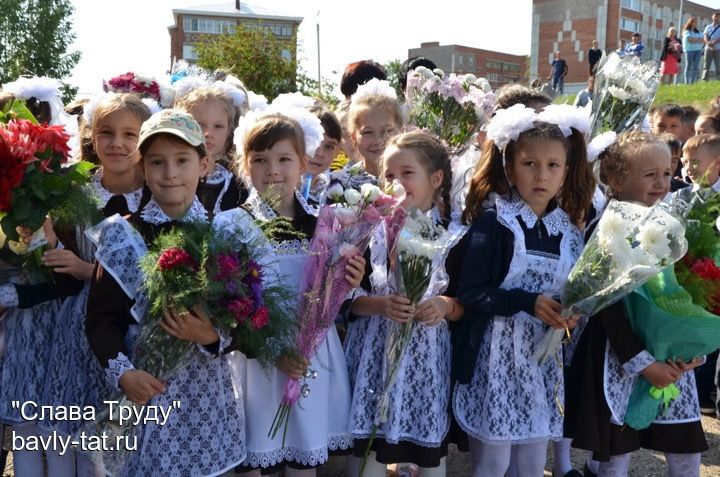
570, 27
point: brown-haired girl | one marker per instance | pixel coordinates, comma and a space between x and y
213, 108
274, 156
609, 357
419, 420
525, 204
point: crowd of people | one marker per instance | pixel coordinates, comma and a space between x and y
527, 205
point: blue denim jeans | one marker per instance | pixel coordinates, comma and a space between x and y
692, 63
558, 83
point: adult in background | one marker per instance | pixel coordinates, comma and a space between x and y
594, 56
558, 72
621, 49
359, 73
712, 47
670, 57
586, 95
411, 64
692, 43
635, 47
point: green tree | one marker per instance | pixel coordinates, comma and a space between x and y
253, 54
34, 39
393, 68
309, 87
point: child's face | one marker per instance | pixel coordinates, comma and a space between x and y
702, 166
324, 155
704, 125
213, 119
664, 123
373, 128
115, 139
172, 172
279, 168
405, 166
647, 180
538, 172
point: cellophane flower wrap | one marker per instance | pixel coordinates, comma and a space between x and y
414, 245
631, 244
37, 178
675, 314
454, 107
623, 94
343, 231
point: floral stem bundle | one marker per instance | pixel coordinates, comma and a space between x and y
343, 231
624, 91
414, 253
452, 107
631, 244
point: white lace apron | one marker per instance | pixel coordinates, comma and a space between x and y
419, 398
511, 397
318, 422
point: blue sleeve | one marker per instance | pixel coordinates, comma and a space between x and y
486, 263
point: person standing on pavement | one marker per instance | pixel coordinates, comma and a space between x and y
712, 47
557, 74
594, 56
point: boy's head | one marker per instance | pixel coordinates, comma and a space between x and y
701, 158
330, 145
667, 118
675, 148
690, 116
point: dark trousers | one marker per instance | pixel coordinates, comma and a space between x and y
705, 377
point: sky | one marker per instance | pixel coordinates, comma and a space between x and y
131, 35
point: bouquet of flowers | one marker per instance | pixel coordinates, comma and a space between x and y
624, 91
676, 313
343, 231
631, 244
142, 86
416, 250
452, 107
37, 178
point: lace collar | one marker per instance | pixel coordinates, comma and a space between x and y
261, 210
554, 221
153, 214
132, 198
434, 215
219, 175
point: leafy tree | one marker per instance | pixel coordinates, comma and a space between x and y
253, 54
309, 87
393, 68
34, 39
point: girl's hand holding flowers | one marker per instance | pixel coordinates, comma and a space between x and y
682, 367
433, 310
548, 311
661, 374
193, 325
293, 366
398, 308
140, 386
64, 261
356, 270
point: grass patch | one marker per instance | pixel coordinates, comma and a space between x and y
699, 94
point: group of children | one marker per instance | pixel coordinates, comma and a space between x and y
469, 375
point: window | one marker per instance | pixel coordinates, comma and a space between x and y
496, 65
189, 52
207, 25
629, 25
631, 4
286, 55
494, 78
471, 60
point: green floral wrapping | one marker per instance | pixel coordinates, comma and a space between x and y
664, 317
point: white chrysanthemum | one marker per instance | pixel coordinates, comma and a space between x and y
599, 143
185, 85
619, 93
484, 85
352, 196
612, 227
152, 105
566, 116
424, 72
508, 124
292, 100
374, 87
654, 240
469, 78
369, 192
335, 191
438, 72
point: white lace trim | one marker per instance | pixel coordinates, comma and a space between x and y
225, 342
555, 222
307, 457
132, 198
639, 362
153, 214
263, 211
219, 176
116, 368
8, 296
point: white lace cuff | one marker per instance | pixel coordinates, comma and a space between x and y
225, 342
639, 362
8, 296
116, 368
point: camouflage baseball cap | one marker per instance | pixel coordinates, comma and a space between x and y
175, 122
